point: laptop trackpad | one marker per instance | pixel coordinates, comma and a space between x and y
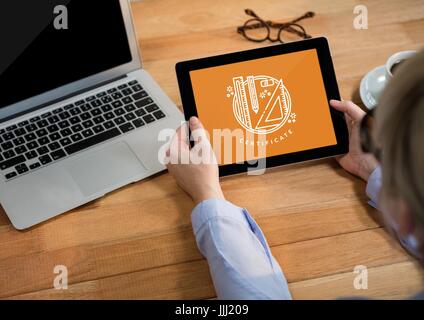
106, 169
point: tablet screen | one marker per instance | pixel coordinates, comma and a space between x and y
271, 106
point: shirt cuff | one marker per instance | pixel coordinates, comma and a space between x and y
212, 208
216, 209
374, 187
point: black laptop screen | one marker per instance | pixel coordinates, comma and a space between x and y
49, 43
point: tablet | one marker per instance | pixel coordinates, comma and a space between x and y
266, 107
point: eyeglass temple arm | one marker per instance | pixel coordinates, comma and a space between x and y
251, 13
308, 14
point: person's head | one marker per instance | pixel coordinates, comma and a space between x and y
399, 133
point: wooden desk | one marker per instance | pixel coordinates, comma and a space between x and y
137, 242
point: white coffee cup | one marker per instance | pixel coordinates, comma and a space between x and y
396, 59
374, 82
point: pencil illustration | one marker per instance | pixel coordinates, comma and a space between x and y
261, 104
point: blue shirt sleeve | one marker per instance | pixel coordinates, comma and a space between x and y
240, 260
374, 186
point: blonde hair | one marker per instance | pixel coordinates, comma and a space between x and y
399, 132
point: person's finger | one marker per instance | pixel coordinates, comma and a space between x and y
180, 137
348, 107
197, 130
182, 133
178, 144
195, 123
349, 123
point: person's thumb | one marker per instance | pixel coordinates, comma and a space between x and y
348, 107
195, 123
197, 130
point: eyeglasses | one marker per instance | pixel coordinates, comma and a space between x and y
367, 142
259, 30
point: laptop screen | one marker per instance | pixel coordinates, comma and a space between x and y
49, 43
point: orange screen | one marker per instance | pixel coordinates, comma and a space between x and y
271, 106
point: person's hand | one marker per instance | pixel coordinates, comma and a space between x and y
195, 170
356, 162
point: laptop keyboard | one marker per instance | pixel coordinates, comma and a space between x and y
44, 139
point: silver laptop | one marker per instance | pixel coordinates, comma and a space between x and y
79, 115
